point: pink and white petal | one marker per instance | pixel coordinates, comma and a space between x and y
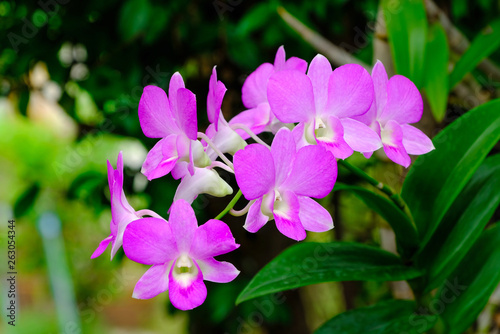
255, 219
149, 241
359, 136
155, 115
283, 150
415, 141
153, 282
183, 224
297, 64
219, 272
211, 239
102, 247
367, 155
180, 170
161, 158
286, 215
254, 170
203, 181
299, 135
331, 137
226, 140
313, 216
350, 91
256, 119
254, 90
279, 59
176, 83
319, 72
186, 118
392, 138
404, 102
380, 81
216, 93
290, 95
187, 293
313, 173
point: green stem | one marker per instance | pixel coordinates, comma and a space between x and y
395, 197
230, 205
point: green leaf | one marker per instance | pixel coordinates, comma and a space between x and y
463, 223
389, 317
436, 178
481, 47
310, 263
134, 18
406, 234
26, 201
436, 67
468, 289
407, 29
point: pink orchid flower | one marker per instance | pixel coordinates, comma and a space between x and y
259, 117
181, 254
281, 181
173, 119
121, 212
397, 103
323, 102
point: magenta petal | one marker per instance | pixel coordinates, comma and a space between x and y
155, 115
279, 59
254, 89
219, 272
254, 170
392, 138
415, 141
319, 72
359, 136
290, 95
149, 241
161, 158
255, 219
186, 113
153, 282
187, 293
297, 64
216, 93
183, 224
283, 151
404, 102
313, 216
256, 119
380, 80
286, 215
332, 138
176, 83
350, 91
211, 239
313, 173
102, 247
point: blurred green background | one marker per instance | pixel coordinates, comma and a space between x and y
71, 76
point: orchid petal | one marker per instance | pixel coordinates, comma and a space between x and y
359, 136
380, 81
149, 241
183, 224
279, 59
331, 137
350, 91
255, 219
161, 158
290, 95
404, 102
283, 151
392, 138
176, 83
153, 282
219, 272
211, 239
102, 246
203, 181
296, 64
256, 119
254, 89
313, 216
286, 215
415, 141
254, 170
215, 96
155, 115
186, 292
319, 72
186, 113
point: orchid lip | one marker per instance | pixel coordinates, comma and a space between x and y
184, 270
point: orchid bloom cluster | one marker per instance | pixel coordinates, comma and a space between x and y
317, 114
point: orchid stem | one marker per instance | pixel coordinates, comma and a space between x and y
395, 197
230, 205
250, 133
203, 136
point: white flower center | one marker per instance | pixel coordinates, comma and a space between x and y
185, 271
